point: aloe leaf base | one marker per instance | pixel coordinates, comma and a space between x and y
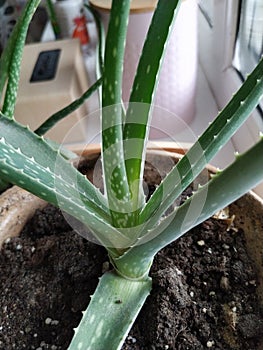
116, 301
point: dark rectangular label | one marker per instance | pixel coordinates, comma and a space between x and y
46, 66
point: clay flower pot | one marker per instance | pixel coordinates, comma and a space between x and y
172, 292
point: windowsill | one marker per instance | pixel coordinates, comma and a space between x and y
206, 111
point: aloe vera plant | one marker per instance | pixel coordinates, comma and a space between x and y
132, 229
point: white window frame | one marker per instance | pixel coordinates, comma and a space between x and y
218, 21
216, 52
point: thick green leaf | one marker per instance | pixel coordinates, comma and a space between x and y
137, 125
13, 56
111, 313
53, 18
63, 113
115, 174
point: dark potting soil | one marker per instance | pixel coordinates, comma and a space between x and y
203, 289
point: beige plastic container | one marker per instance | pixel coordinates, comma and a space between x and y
177, 85
39, 99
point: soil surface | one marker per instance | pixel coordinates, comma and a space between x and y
203, 289
203, 296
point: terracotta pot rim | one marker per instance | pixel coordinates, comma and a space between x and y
169, 148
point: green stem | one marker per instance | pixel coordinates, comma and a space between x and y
115, 174
56, 117
53, 18
137, 119
16, 57
111, 313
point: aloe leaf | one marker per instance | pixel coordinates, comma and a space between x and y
64, 152
29, 162
223, 189
115, 175
31, 145
53, 18
136, 125
56, 117
111, 313
206, 147
14, 56
5, 60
